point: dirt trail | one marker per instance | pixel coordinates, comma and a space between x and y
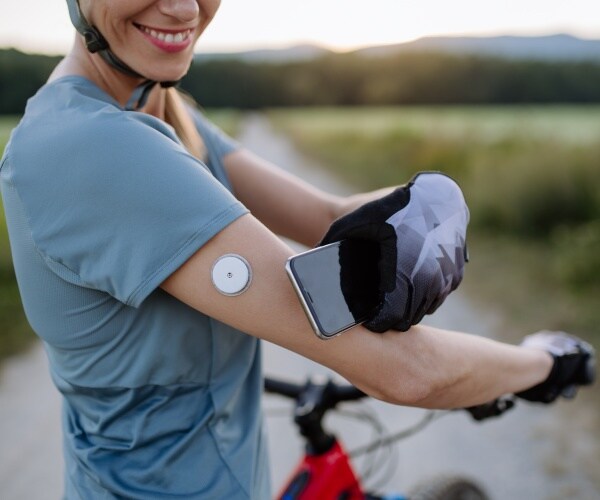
532, 453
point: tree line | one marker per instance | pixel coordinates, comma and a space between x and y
348, 79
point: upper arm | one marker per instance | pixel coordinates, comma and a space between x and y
269, 309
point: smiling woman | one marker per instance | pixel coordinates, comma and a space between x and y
120, 196
148, 39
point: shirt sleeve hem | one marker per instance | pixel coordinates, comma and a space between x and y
189, 248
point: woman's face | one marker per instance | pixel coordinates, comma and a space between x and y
154, 37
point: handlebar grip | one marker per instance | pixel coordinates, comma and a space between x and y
287, 389
348, 393
494, 408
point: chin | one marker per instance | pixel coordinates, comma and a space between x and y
167, 74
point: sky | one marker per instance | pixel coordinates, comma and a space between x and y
43, 25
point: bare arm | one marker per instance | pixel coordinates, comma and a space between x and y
287, 205
424, 366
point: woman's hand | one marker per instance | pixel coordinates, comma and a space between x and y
421, 228
574, 365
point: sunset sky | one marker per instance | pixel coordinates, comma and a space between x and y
43, 25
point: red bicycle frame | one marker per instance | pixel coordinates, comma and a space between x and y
325, 476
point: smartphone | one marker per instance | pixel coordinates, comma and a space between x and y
337, 284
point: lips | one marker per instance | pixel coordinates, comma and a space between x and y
167, 40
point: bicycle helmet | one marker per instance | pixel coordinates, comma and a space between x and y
96, 43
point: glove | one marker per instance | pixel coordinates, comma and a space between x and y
421, 231
574, 365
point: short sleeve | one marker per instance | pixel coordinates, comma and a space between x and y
118, 204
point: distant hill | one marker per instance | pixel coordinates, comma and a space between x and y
552, 47
560, 47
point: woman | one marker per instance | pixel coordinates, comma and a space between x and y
118, 198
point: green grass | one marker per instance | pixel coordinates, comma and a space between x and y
573, 124
7, 123
226, 119
531, 176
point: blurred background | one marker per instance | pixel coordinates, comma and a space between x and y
502, 95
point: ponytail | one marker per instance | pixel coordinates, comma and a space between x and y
179, 118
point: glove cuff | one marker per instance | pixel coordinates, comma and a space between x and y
546, 391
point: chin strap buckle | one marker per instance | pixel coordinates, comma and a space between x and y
94, 41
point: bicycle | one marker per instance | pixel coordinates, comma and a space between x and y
326, 471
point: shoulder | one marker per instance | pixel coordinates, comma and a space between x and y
70, 124
73, 113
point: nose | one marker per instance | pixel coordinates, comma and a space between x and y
182, 10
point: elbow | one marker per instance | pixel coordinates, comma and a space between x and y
408, 391
421, 389
411, 393
434, 393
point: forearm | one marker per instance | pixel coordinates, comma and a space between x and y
287, 205
350, 203
458, 369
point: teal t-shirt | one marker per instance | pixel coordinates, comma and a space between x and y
102, 205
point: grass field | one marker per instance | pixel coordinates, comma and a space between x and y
573, 124
7, 123
531, 176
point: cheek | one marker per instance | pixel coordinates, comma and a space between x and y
109, 16
209, 7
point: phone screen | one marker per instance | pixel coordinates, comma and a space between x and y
338, 284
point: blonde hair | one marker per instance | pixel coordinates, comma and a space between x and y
179, 118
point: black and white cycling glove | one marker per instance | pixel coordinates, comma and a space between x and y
421, 231
574, 365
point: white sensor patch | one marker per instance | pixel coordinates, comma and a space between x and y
231, 274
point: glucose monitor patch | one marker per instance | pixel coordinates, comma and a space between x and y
231, 274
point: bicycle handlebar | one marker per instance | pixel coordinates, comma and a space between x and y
336, 393
287, 389
326, 394
494, 408
313, 400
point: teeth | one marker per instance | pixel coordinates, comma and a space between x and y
167, 37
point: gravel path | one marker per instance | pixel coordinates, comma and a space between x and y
531, 453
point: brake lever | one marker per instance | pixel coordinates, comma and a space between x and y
492, 409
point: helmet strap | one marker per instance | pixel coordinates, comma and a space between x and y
140, 96
96, 43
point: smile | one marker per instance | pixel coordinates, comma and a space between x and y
166, 36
